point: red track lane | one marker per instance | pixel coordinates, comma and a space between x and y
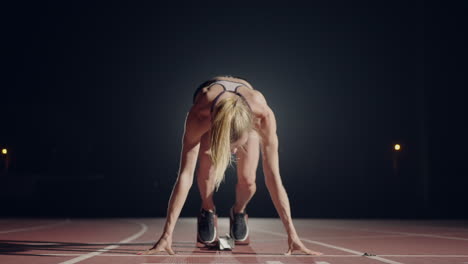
76, 237
12, 225
342, 241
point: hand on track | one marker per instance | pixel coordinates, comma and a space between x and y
163, 244
296, 244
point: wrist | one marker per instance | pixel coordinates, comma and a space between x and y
166, 235
291, 230
292, 235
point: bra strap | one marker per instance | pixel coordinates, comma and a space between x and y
216, 99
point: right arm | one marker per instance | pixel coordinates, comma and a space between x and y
193, 130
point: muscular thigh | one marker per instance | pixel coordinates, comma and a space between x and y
247, 161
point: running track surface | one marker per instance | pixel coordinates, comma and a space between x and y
84, 241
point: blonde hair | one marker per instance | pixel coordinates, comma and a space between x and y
232, 118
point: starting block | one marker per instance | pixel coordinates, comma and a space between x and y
226, 242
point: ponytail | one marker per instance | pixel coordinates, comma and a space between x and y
233, 117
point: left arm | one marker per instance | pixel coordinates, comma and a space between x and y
270, 161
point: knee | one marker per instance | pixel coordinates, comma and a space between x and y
247, 184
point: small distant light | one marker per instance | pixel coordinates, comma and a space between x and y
4, 151
397, 147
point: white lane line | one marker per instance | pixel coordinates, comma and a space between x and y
266, 262
426, 235
357, 237
202, 255
34, 227
427, 256
258, 255
332, 246
400, 233
143, 229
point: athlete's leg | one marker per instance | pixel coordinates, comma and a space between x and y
205, 175
207, 218
247, 164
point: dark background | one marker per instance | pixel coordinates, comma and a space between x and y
94, 97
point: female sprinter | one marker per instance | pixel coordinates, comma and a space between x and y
228, 117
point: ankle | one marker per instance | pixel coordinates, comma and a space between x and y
209, 208
237, 210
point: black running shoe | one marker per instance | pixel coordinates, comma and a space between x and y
239, 229
206, 226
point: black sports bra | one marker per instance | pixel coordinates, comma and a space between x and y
228, 86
